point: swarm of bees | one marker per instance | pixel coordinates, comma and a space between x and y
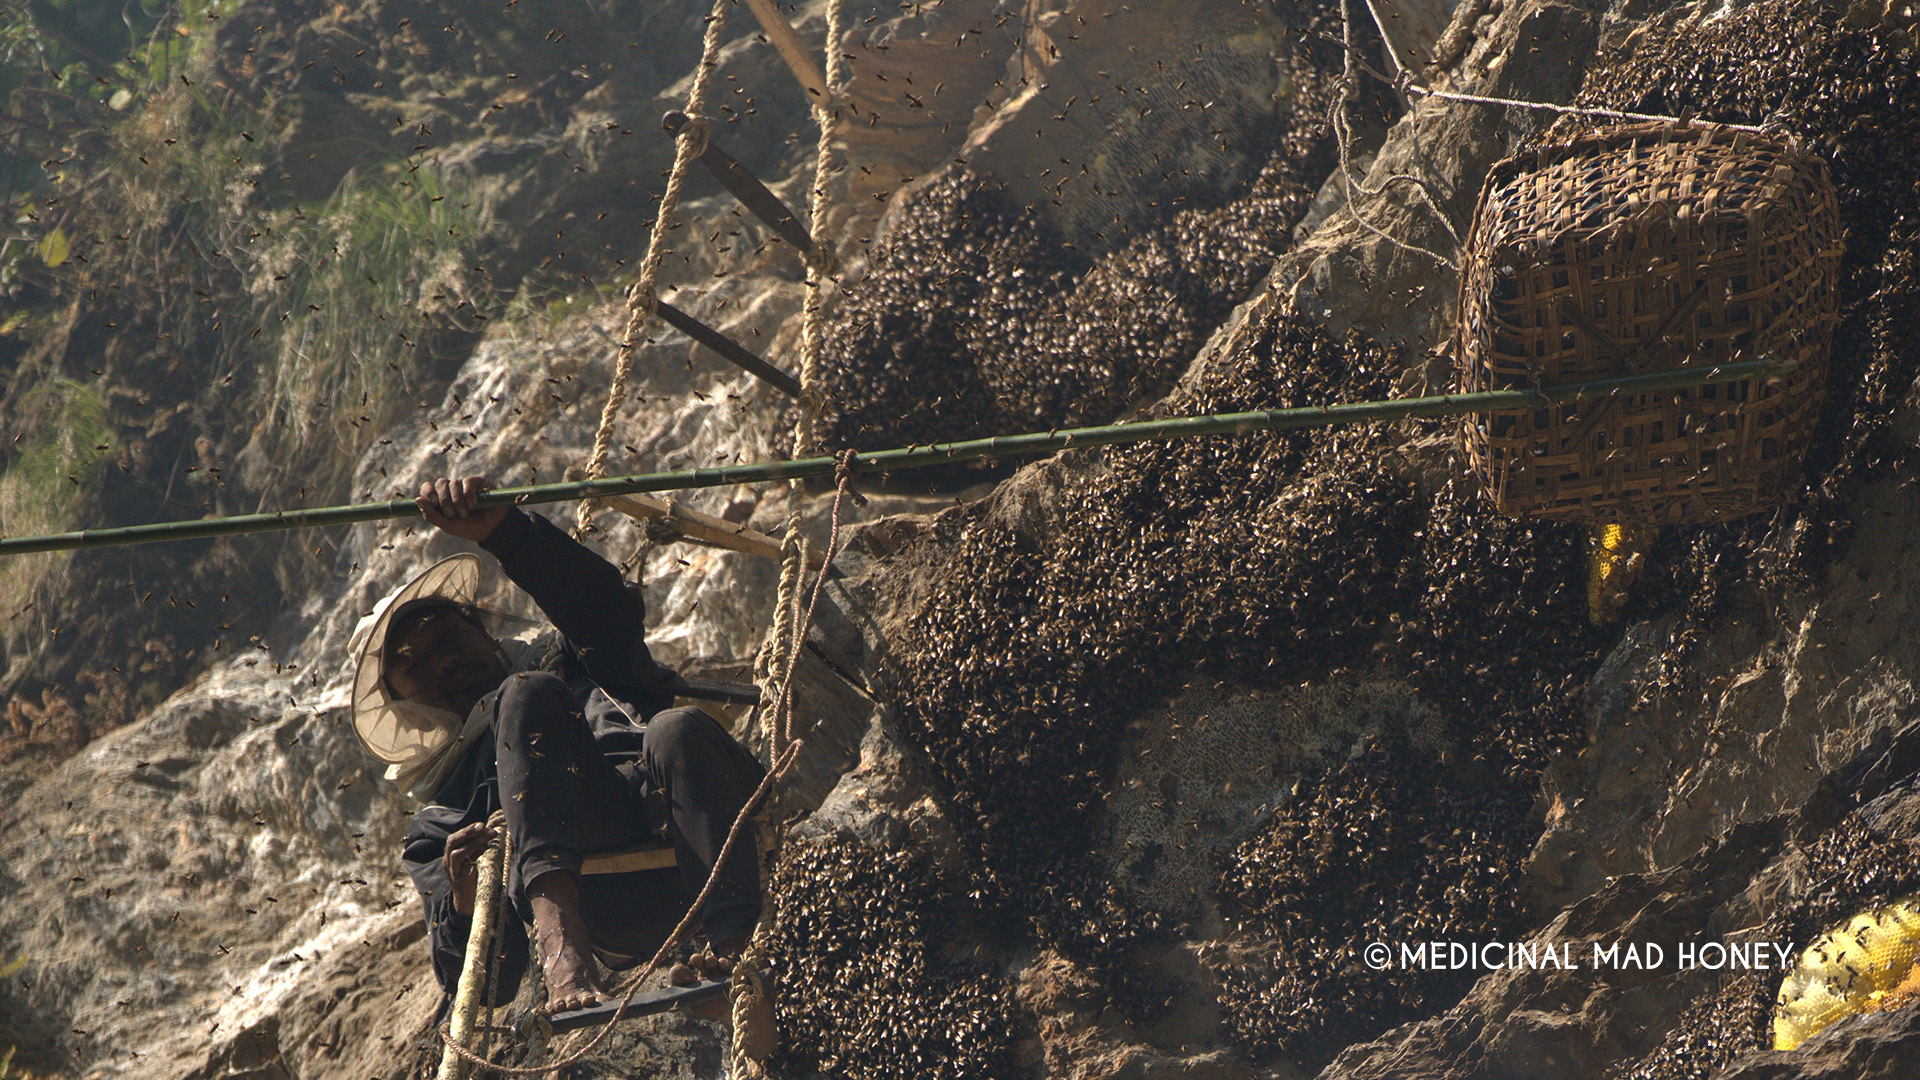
972, 320
1265, 560
866, 986
1849, 869
1280, 558
1383, 848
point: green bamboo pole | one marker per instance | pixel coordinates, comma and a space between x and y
1030, 444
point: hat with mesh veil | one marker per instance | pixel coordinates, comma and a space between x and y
411, 738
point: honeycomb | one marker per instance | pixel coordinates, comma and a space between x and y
1859, 966
1850, 869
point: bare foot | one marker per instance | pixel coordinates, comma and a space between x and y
572, 982
710, 965
560, 936
716, 1007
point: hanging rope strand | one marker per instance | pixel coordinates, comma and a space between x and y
789, 630
642, 299
1343, 137
1406, 83
1355, 62
812, 334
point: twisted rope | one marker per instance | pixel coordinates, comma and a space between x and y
812, 334
750, 1003
642, 299
497, 950
1573, 110
476, 970
1404, 83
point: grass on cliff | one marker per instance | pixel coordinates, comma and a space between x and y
70, 446
239, 346
358, 271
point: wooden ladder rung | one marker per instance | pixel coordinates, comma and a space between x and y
704, 528
629, 860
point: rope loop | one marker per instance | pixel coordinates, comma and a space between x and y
643, 302
754, 1034
822, 261
695, 131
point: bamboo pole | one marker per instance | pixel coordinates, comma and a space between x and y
473, 973
787, 44
1031, 444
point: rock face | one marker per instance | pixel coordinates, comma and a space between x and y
1099, 134
1116, 763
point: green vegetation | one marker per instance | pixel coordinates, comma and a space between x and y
7, 1051
69, 70
297, 324
225, 334
69, 447
358, 271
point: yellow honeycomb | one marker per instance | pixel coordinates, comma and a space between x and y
1864, 966
1615, 556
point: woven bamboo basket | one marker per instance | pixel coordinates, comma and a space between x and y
1648, 248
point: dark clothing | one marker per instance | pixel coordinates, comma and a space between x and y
580, 775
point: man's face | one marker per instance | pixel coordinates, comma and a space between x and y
440, 658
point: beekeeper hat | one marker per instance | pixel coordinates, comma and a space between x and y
402, 733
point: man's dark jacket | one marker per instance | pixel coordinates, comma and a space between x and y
617, 685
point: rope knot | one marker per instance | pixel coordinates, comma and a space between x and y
642, 304
684, 126
821, 260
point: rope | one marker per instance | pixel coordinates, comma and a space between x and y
783, 764
473, 972
752, 1039
642, 299
1576, 110
1404, 83
1343, 135
497, 951
812, 334
753, 1033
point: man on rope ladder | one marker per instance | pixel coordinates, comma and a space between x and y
574, 736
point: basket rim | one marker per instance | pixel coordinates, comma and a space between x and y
1553, 153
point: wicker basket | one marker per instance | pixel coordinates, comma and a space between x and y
1638, 249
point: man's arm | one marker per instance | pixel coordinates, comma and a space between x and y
425, 854
580, 592
587, 601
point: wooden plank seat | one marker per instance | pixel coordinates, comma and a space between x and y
627, 860
713, 690
659, 855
